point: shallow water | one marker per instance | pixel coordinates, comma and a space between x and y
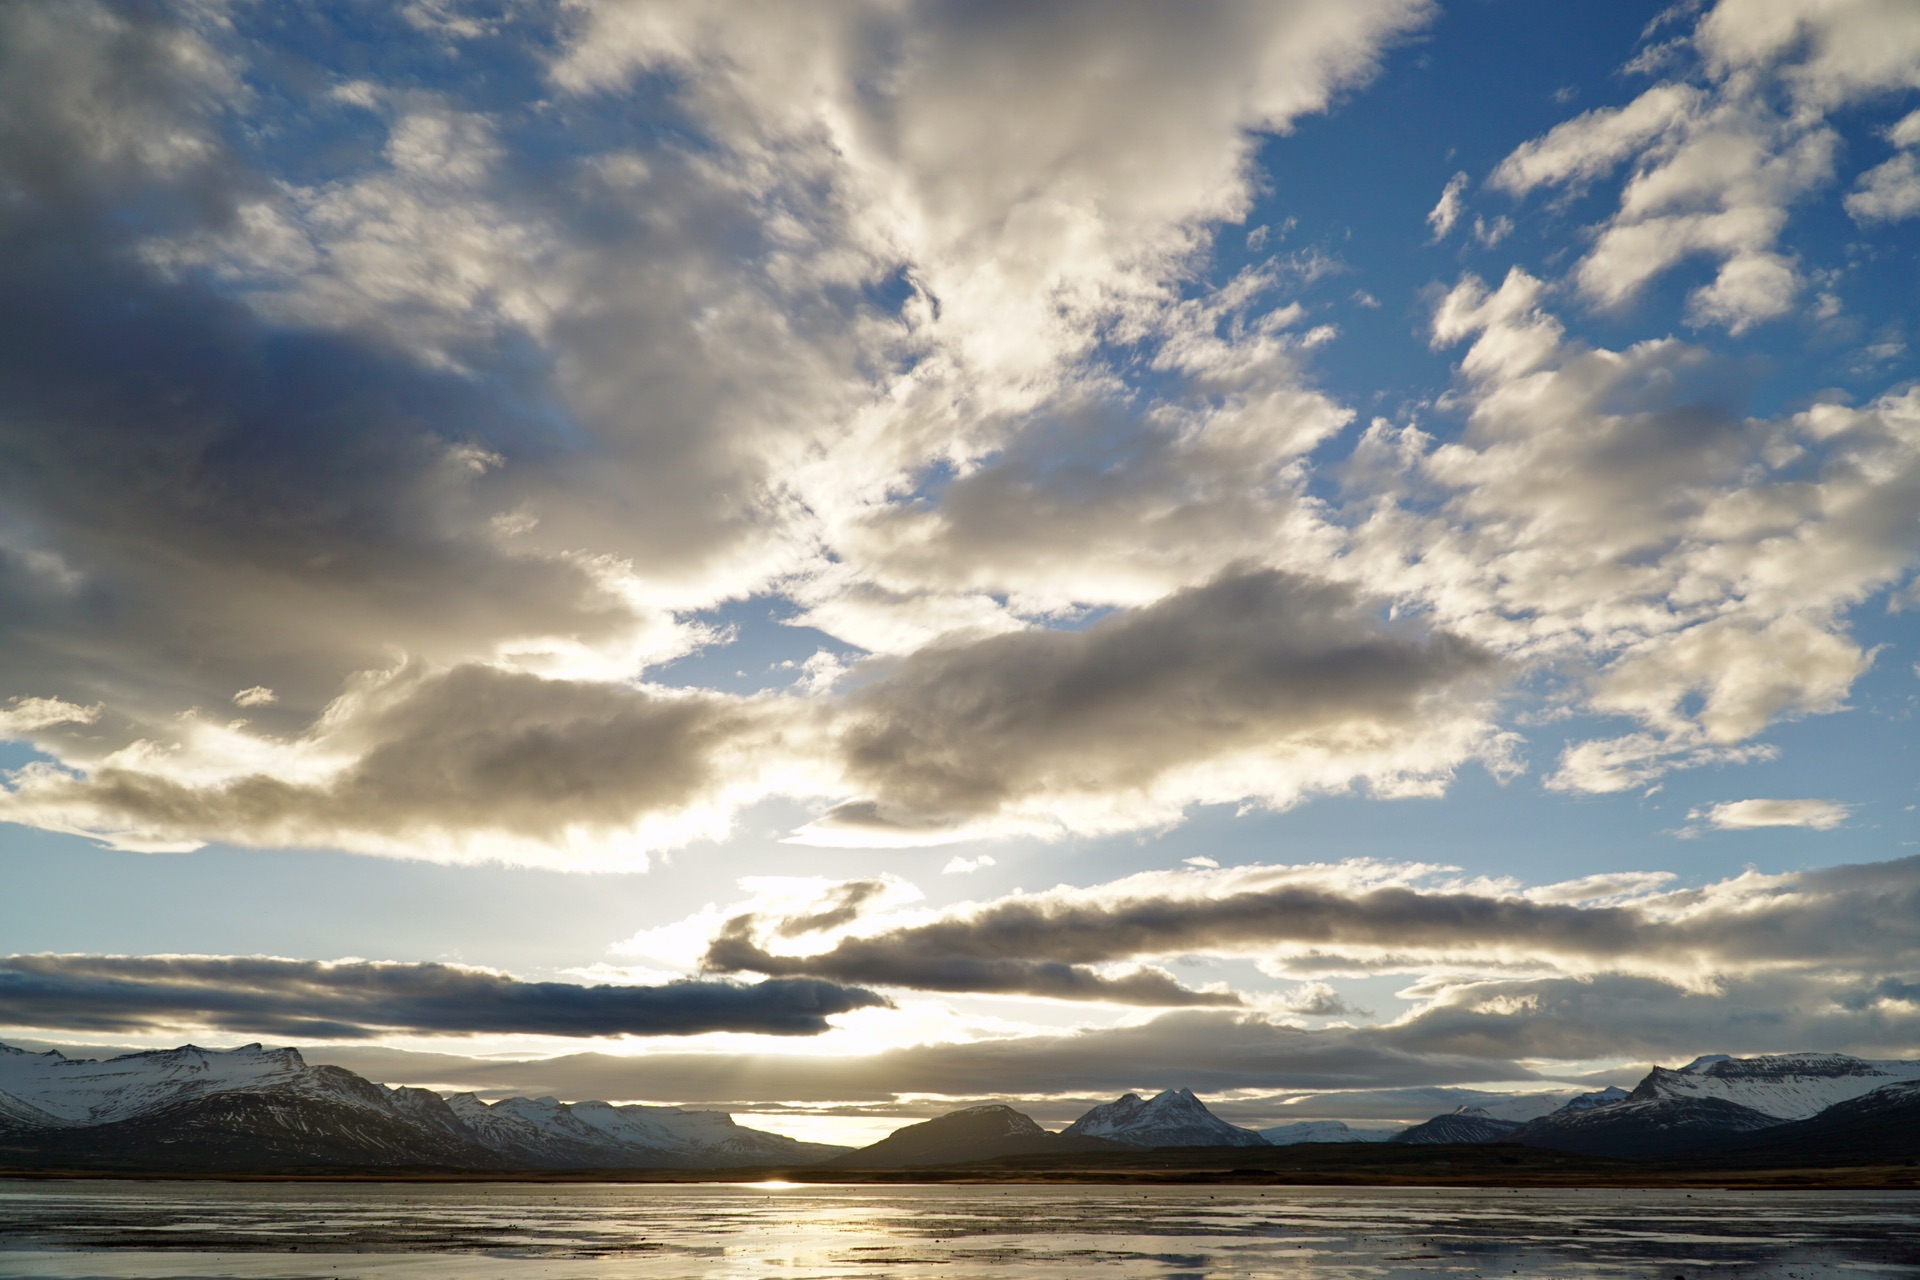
174, 1231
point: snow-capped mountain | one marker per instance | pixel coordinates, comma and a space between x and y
551, 1134
1287, 1135
1174, 1118
86, 1091
1599, 1098
1468, 1124
1713, 1100
1786, 1086
258, 1107
712, 1136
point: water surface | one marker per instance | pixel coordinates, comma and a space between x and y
291, 1231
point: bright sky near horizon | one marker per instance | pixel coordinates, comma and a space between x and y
842, 559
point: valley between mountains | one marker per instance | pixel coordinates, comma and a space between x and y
259, 1110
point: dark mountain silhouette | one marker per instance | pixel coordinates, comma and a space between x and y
961, 1137
1468, 1124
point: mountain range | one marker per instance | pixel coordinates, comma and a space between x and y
257, 1108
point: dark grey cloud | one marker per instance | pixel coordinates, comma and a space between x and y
1835, 917
735, 950
1254, 662
197, 501
842, 906
253, 995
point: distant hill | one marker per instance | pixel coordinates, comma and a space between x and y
1173, 1118
1468, 1124
1287, 1135
962, 1137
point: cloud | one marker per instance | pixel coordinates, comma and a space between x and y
451, 401
1319, 1000
1448, 210
1209, 1051
1717, 169
1890, 192
258, 995
900, 317
23, 716
1315, 920
1258, 685
959, 866
1470, 1034
1742, 815
457, 765
928, 968
1615, 514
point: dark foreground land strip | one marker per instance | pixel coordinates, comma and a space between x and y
1318, 1164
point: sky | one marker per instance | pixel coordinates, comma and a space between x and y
839, 561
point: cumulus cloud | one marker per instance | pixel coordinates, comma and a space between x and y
468, 763
1450, 206
902, 317
1717, 169
1617, 514
440, 399
1741, 815
260, 995
1258, 685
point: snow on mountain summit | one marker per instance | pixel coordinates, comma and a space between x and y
1786, 1086
90, 1091
1173, 1118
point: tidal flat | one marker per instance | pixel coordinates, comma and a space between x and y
295, 1231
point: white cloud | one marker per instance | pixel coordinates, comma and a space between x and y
22, 716
1744, 815
1889, 192
959, 866
1717, 169
1606, 512
1449, 207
